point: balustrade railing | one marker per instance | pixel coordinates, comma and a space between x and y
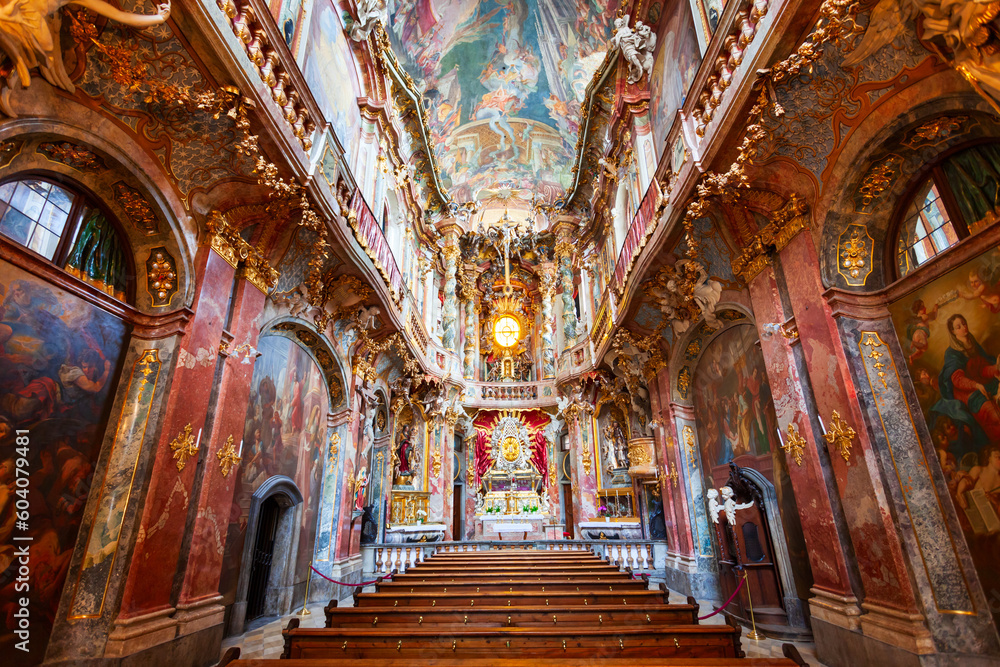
641, 556
510, 392
373, 241
642, 226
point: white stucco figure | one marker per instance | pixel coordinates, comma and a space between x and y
369, 11
730, 505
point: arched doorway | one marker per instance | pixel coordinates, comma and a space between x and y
738, 447
269, 556
262, 555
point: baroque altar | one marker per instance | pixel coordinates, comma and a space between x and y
512, 502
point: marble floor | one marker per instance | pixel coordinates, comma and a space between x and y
265, 641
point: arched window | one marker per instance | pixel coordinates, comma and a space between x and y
68, 228
961, 196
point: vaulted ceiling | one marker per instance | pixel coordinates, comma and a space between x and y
503, 83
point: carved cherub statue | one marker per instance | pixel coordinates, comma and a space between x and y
713, 505
730, 505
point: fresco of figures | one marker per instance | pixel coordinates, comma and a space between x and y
58, 364
329, 70
505, 82
612, 439
284, 434
950, 333
677, 61
732, 397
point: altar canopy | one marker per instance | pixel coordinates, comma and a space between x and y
534, 421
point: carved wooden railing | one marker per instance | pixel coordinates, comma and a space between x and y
635, 555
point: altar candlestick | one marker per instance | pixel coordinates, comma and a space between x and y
821, 425
780, 438
198, 441
240, 453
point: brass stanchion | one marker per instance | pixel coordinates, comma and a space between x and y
305, 600
753, 634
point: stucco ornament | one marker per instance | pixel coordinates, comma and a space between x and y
967, 28
369, 12
29, 35
730, 505
637, 46
683, 292
714, 507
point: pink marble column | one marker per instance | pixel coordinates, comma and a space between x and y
436, 467
344, 522
667, 459
584, 464
835, 599
448, 474
144, 615
889, 596
198, 605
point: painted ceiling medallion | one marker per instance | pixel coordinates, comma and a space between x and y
504, 84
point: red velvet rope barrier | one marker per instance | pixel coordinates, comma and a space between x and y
344, 583
725, 604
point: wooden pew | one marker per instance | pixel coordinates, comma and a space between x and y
406, 617
461, 641
512, 585
403, 598
522, 662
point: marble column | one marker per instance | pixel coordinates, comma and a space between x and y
436, 467
668, 464
893, 613
332, 499
144, 617
198, 605
584, 464
547, 289
957, 612
448, 473
564, 255
469, 298
825, 536
345, 523
449, 314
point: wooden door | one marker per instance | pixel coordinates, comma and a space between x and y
567, 491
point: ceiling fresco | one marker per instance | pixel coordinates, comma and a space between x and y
503, 83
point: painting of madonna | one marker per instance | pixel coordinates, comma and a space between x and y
950, 332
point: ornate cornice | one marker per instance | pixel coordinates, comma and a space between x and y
791, 219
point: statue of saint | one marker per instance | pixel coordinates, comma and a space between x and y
403, 450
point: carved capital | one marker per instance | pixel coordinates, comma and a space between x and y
225, 240
788, 221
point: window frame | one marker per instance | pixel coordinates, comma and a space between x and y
83, 197
936, 172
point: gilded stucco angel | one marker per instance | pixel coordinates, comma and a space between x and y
29, 35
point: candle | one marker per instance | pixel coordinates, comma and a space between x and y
821, 425
780, 439
240, 453
198, 441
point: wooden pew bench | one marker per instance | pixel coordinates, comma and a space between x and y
461, 641
513, 586
403, 598
406, 617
